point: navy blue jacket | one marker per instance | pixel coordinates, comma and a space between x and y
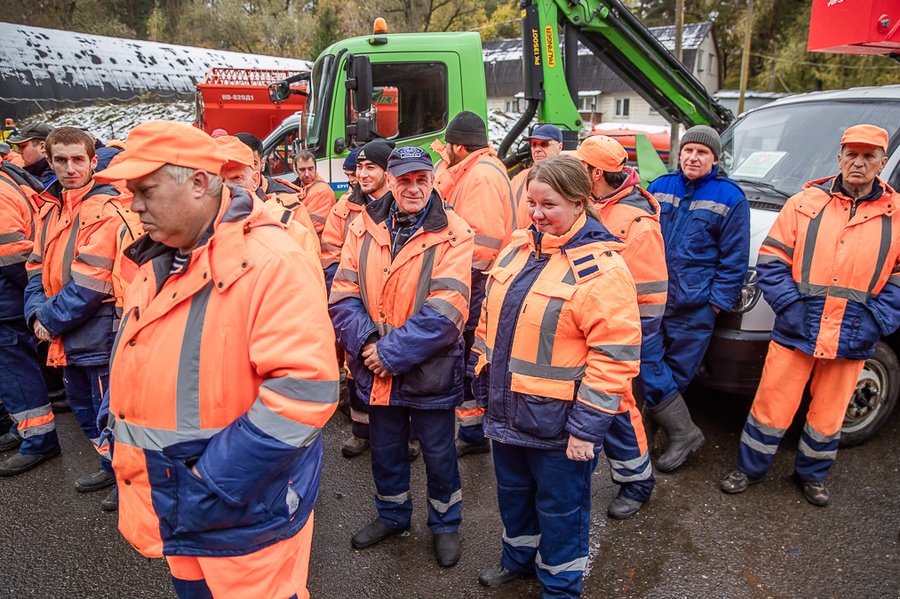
706, 228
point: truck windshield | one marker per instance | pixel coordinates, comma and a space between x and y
317, 105
783, 147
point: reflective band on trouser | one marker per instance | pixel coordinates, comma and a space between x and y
398, 499
631, 470
37, 421
469, 413
575, 565
442, 507
532, 541
815, 454
758, 446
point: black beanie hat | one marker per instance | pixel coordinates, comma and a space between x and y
466, 129
376, 151
701, 134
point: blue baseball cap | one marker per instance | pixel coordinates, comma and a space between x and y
547, 133
408, 159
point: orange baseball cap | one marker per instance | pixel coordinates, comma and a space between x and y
869, 135
603, 152
153, 144
236, 151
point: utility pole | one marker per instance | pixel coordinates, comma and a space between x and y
745, 58
679, 33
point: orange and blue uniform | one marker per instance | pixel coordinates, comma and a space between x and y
23, 391
830, 269
226, 366
318, 199
478, 189
414, 306
632, 214
70, 292
557, 345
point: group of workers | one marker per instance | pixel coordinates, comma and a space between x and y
202, 313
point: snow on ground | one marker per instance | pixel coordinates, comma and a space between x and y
114, 121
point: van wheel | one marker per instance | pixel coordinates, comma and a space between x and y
874, 398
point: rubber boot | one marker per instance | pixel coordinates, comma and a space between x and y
684, 436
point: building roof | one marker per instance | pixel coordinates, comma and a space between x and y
503, 61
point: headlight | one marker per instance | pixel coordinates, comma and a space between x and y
750, 292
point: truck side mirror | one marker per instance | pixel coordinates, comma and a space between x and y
279, 92
360, 130
359, 82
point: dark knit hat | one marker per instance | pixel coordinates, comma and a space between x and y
350, 160
377, 151
467, 129
701, 134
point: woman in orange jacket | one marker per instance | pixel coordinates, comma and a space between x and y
558, 344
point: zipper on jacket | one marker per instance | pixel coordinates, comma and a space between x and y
853, 206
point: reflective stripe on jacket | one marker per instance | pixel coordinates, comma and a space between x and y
231, 362
18, 211
706, 227
415, 305
559, 337
478, 190
832, 276
70, 289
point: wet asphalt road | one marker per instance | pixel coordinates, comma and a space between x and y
690, 540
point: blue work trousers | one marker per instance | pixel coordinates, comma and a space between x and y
389, 428
545, 505
670, 359
625, 446
84, 390
23, 390
469, 414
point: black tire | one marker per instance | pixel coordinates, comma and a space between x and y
875, 397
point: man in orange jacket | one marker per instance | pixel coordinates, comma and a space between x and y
221, 380
830, 269
631, 214
318, 197
399, 304
23, 392
473, 181
69, 300
546, 142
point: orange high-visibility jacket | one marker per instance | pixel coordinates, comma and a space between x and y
290, 196
632, 214
559, 337
18, 211
520, 196
229, 367
70, 289
318, 199
415, 305
478, 190
342, 214
830, 269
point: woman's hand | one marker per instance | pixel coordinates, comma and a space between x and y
580, 451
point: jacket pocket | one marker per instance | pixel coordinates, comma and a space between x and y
96, 335
864, 330
441, 375
199, 509
543, 417
792, 321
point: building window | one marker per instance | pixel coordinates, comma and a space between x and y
712, 65
622, 106
699, 61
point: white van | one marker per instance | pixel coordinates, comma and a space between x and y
772, 151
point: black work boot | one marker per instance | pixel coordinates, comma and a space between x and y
372, 533
622, 507
447, 549
23, 462
737, 482
465, 448
814, 491
9, 441
498, 575
96, 481
354, 446
684, 436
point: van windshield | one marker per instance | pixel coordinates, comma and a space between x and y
783, 147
